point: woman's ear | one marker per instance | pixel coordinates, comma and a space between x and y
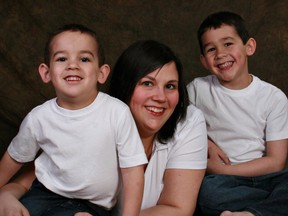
43, 70
103, 73
250, 46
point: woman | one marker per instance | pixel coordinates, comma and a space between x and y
148, 77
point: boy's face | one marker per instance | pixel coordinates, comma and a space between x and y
225, 55
74, 69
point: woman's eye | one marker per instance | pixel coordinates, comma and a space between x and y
171, 86
147, 83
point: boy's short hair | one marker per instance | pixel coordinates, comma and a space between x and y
216, 20
74, 28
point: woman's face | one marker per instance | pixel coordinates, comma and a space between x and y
154, 99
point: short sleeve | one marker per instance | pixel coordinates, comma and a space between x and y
23, 148
129, 145
189, 150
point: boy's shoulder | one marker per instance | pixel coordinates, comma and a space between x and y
112, 101
44, 106
202, 81
268, 89
257, 84
207, 78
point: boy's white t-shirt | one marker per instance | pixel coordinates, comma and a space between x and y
82, 149
241, 121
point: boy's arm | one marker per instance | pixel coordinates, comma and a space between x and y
133, 187
216, 153
11, 192
8, 168
10, 205
273, 161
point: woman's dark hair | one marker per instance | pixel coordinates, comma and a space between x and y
74, 28
138, 60
216, 20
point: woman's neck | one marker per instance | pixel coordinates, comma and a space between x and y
148, 145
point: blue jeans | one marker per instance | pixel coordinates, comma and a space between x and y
41, 202
265, 195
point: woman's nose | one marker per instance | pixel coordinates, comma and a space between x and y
159, 94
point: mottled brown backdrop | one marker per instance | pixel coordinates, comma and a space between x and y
25, 24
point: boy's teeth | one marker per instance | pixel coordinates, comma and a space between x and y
73, 79
226, 64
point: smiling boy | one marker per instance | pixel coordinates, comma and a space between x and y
84, 136
247, 124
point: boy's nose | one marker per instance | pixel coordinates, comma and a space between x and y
72, 64
220, 53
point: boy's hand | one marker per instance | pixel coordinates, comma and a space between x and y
10, 206
83, 214
216, 158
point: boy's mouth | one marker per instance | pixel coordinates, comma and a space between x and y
73, 78
225, 65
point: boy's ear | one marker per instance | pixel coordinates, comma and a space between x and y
203, 61
43, 70
104, 73
250, 46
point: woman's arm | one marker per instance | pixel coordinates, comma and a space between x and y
179, 195
273, 161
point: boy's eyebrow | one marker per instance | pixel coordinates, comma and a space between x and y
222, 39
228, 38
87, 51
81, 52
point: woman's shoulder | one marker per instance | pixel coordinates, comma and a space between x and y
193, 121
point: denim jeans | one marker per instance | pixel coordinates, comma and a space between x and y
265, 195
41, 202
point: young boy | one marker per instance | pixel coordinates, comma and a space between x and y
82, 133
247, 123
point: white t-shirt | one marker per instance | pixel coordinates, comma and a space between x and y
241, 121
187, 150
82, 149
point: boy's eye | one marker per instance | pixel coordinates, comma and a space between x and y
210, 49
85, 59
61, 59
227, 44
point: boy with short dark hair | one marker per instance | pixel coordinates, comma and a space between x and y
247, 123
84, 136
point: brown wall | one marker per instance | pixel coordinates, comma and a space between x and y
25, 24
